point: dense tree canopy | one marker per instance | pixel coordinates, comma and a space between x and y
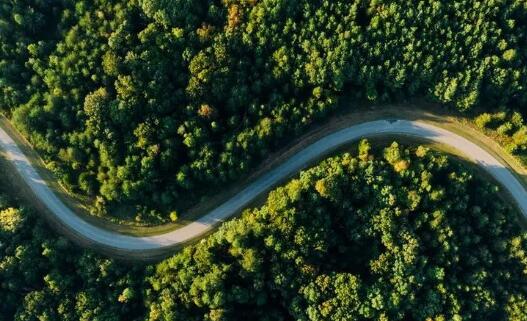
399, 234
409, 235
44, 277
152, 103
148, 105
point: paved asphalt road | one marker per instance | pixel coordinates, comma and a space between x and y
264, 183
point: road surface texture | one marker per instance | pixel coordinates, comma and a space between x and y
303, 158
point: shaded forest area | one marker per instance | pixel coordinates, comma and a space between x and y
154, 103
399, 234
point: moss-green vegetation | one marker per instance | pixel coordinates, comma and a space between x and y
399, 234
147, 105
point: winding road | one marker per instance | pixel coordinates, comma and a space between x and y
264, 183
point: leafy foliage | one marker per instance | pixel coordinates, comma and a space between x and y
352, 238
508, 128
44, 277
358, 238
153, 103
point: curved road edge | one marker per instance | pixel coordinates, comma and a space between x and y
298, 161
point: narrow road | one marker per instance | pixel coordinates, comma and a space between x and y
265, 182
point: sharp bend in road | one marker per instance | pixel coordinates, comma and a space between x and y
262, 184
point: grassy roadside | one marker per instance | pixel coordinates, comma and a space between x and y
423, 112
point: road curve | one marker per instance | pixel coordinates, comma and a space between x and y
265, 182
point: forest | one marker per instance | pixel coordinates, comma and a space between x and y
45, 277
151, 105
394, 233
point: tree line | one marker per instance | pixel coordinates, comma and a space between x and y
381, 234
151, 104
